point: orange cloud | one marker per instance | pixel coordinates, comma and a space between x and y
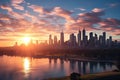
16, 15
17, 1
38, 9
16, 6
97, 10
6, 7
63, 13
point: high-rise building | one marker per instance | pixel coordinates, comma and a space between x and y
79, 38
50, 40
91, 39
96, 37
62, 38
86, 40
84, 37
55, 40
84, 34
104, 39
110, 41
72, 40
96, 40
100, 40
91, 36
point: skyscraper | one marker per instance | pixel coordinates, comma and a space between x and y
91, 39
84, 42
100, 40
79, 38
72, 40
91, 36
50, 40
84, 34
55, 40
110, 41
62, 38
96, 40
104, 39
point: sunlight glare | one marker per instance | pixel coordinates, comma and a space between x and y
26, 66
26, 40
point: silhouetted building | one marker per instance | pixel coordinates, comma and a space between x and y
62, 38
83, 42
55, 40
104, 39
72, 40
96, 40
91, 39
100, 40
84, 34
79, 38
50, 40
109, 41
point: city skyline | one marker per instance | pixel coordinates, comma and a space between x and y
82, 40
27, 19
76, 41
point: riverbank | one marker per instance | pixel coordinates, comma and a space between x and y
99, 54
111, 75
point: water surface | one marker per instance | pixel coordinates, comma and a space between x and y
25, 68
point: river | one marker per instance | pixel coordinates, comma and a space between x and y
26, 68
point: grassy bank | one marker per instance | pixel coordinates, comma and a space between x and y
97, 76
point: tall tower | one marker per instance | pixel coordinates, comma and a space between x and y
91, 36
96, 40
91, 39
110, 41
104, 39
55, 40
100, 40
84, 42
62, 38
79, 38
50, 40
84, 34
72, 40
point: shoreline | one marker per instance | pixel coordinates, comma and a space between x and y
109, 75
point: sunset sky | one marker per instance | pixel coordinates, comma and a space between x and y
39, 18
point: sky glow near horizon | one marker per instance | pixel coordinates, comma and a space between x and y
39, 18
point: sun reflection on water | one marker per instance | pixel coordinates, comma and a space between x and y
26, 66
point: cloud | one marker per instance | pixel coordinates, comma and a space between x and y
82, 9
53, 20
6, 7
93, 21
16, 15
38, 9
97, 10
6, 39
17, 1
87, 20
62, 13
114, 4
16, 6
110, 24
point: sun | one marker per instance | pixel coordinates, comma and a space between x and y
26, 40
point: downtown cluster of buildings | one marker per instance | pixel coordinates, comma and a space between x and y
84, 41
